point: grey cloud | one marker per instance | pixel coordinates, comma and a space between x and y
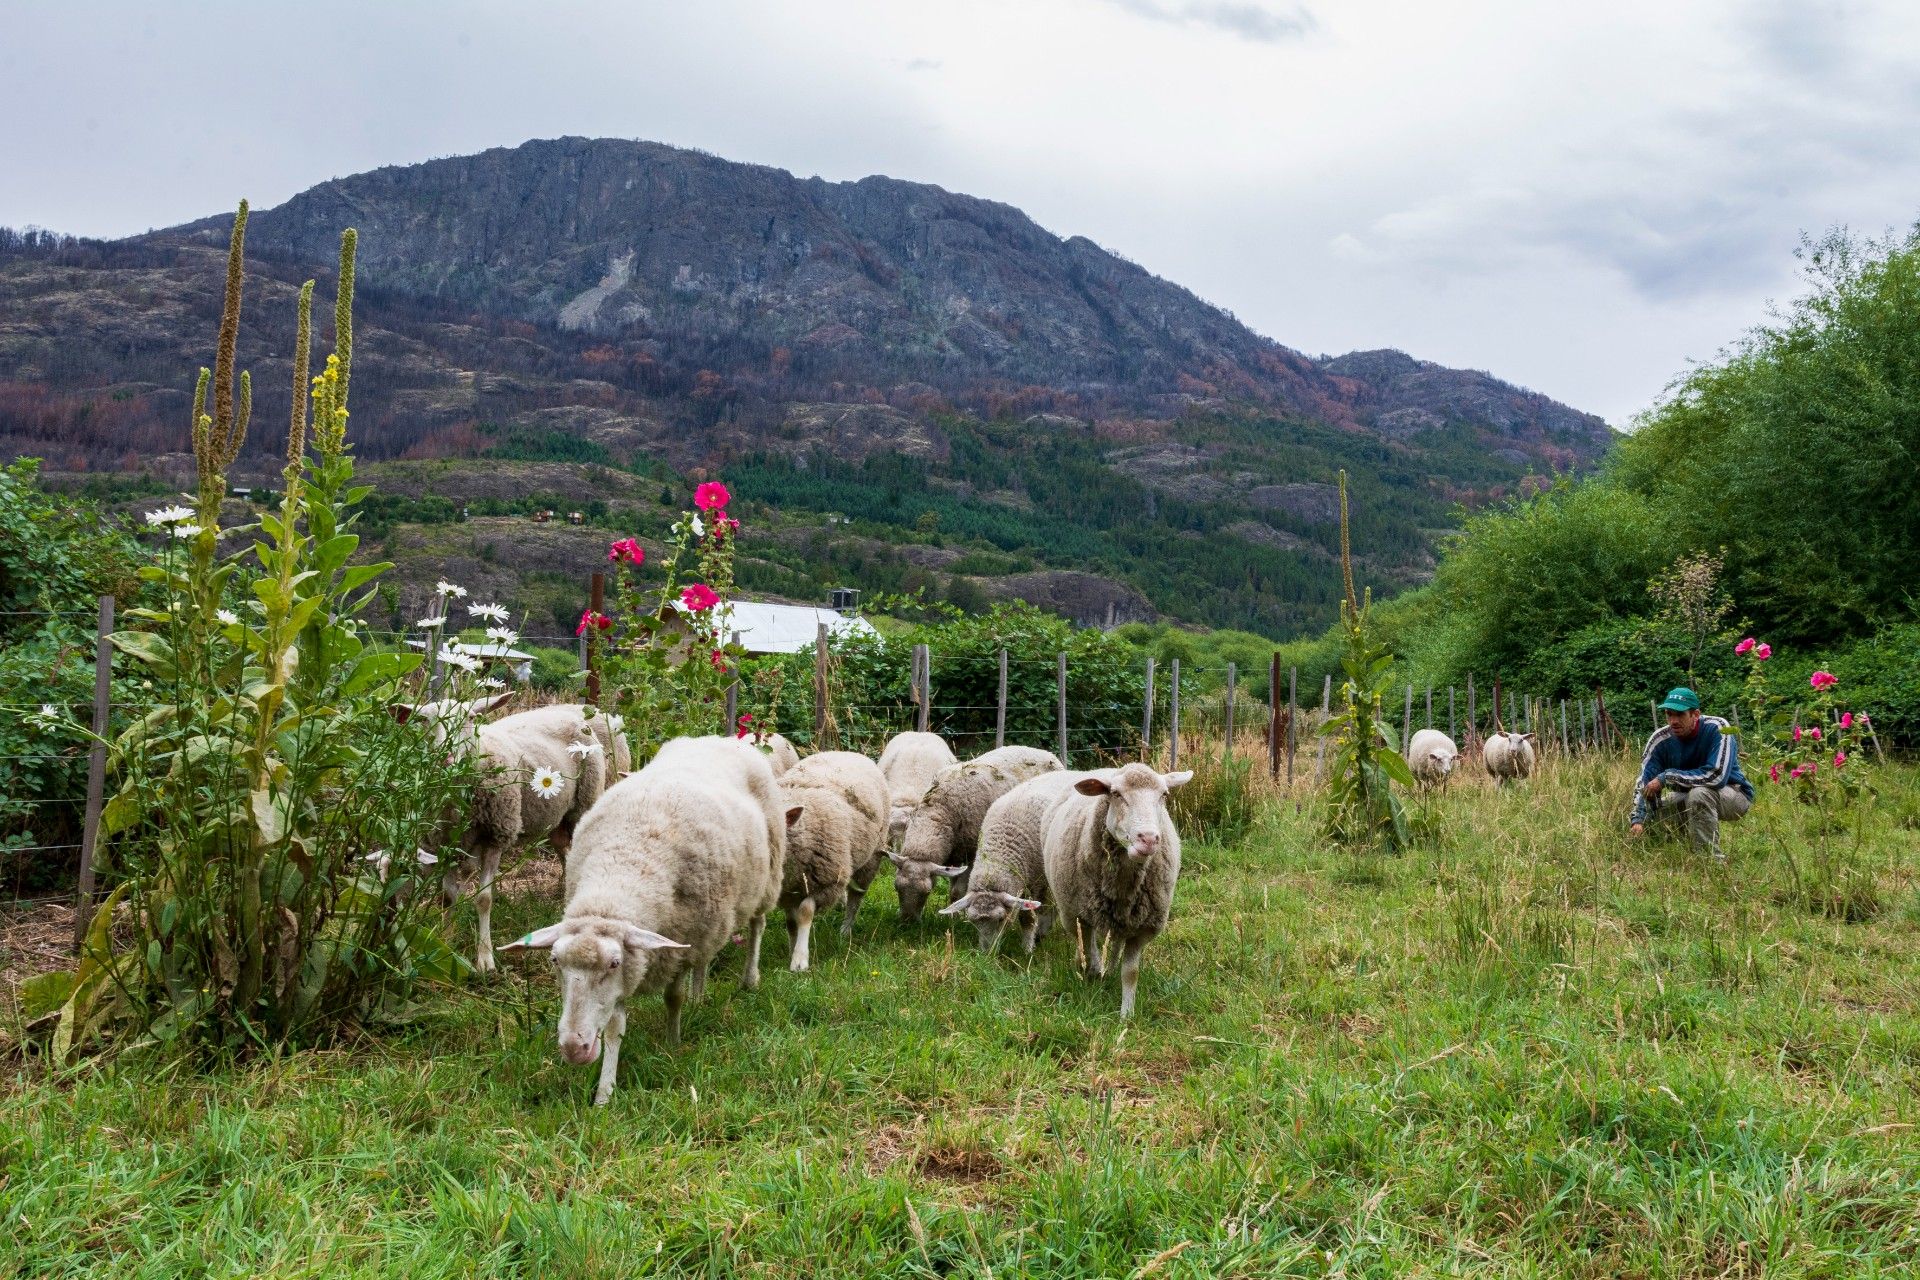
1263, 23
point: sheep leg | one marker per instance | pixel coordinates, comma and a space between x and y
676, 996
1111, 945
483, 908
1029, 930
756, 928
857, 894
1090, 935
697, 982
1129, 973
610, 1055
1043, 924
560, 840
800, 925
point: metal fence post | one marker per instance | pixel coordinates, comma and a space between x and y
96, 770
1146, 717
1232, 674
1173, 718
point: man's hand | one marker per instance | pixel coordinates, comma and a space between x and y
1639, 828
1652, 790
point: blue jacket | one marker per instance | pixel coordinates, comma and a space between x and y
1707, 759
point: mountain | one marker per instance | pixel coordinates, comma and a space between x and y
885, 351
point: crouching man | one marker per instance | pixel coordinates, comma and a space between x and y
1691, 771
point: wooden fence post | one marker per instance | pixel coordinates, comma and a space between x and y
1173, 717
597, 601
96, 771
819, 686
1060, 689
1232, 676
1563, 726
1473, 725
1273, 718
926, 687
1146, 717
1406, 720
1429, 706
1000, 712
1451, 722
1326, 696
731, 726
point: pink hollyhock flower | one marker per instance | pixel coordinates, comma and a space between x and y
722, 526
711, 496
627, 549
1846, 719
592, 619
1796, 733
1744, 645
1823, 680
1798, 770
698, 598
1839, 758
1773, 774
719, 660
1762, 652
1814, 733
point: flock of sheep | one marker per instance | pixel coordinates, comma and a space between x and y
667, 864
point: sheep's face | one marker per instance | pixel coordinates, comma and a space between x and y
453, 726
598, 962
989, 910
913, 880
897, 820
1136, 804
1442, 765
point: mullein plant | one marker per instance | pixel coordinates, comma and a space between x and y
1362, 809
254, 795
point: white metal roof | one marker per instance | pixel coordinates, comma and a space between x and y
480, 650
787, 628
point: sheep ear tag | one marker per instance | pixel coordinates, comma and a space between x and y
957, 906
1027, 904
538, 940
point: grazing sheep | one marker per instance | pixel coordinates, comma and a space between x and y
1112, 857
536, 782
1009, 872
911, 761
668, 866
1431, 755
1509, 756
780, 752
944, 831
836, 844
608, 730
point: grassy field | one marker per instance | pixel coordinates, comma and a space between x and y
1529, 1048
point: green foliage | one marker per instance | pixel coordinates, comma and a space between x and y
1221, 802
537, 444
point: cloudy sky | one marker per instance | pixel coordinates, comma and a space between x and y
1581, 199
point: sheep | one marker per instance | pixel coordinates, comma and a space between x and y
1509, 756
910, 761
1009, 866
508, 810
1112, 857
944, 831
668, 866
779, 752
616, 755
1431, 755
835, 846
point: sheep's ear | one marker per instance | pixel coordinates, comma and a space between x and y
1527, 737
1092, 786
1179, 779
626, 773
480, 706
538, 940
949, 873
957, 906
1027, 904
896, 859
426, 859
647, 940
793, 814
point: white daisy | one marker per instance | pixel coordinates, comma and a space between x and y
227, 616
455, 658
491, 682
428, 623
505, 635
169, 515
185, 530
491, 612
49, 711
546, 783
446, 588
583, 749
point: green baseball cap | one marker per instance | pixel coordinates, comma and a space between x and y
1681, 699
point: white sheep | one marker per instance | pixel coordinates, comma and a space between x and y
1509, 756
672, 862
911, 761
1431, 755
1112, 858
616, 758
1009, 877
835, 845
945, 830
536, 782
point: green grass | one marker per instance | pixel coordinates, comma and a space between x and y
1530, 1048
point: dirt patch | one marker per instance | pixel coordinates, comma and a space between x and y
35, 938
959, 1164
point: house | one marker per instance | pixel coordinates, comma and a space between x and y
521, 663
764, 627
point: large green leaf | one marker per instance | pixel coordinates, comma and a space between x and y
377, 668
146, 646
